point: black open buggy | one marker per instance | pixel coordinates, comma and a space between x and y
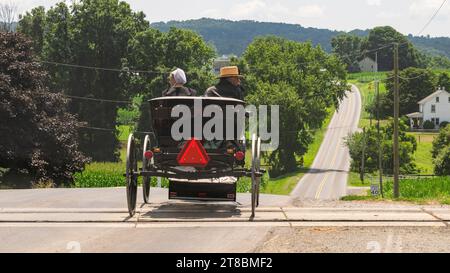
196, 169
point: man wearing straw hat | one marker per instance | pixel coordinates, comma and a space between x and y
229, 85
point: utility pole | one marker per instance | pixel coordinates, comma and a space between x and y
396, 122
361, 174
380, 151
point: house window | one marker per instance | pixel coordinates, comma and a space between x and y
433, 108
437, 99
437, 121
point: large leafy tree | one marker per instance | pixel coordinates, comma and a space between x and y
38, 134
94, 34
161, 52
382, 36
304, 80
348, 48
369, 140
415, 84
33, 25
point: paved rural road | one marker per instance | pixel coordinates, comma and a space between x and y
327, 179
96, 220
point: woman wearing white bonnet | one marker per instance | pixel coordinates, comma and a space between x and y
177, 80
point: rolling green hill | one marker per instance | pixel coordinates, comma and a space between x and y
232, 37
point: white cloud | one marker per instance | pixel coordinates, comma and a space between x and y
426, 8
374, 2
311, 11
265, 10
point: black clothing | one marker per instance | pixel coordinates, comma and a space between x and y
179, 91
225, 89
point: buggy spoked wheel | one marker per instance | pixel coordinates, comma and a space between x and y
258, 169
255, 168
131, 175
146, 163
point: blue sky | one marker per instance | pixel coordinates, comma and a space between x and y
407, 16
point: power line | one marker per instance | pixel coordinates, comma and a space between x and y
432, 18
94, 99
123, 70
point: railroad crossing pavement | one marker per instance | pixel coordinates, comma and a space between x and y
96, 220
108, 206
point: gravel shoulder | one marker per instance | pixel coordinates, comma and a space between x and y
357, 239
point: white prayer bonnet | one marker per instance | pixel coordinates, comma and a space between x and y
179, 76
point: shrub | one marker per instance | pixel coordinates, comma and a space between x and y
444, 124
429, 125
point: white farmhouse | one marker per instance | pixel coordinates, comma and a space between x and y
435, 108
368, 65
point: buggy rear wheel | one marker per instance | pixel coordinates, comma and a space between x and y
146, 163
131, 175
255, 168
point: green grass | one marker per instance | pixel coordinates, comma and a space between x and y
364, 77
423, 156
422, 191
124, 132
368, 96
285, 184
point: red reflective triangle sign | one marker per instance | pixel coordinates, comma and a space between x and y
193, 154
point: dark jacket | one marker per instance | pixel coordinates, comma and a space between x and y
179, 91
225, 89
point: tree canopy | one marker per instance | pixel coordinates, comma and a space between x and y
108, 34
39, 135
306, 83
369, 139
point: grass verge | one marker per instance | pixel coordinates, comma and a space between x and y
421, 191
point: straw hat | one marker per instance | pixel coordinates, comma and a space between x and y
229, 71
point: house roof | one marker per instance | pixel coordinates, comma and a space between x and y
415, 115
367, 59
437, 93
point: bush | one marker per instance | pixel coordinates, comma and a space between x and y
444, 124
429, 125
441, 152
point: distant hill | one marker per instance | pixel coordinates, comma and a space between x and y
233, 37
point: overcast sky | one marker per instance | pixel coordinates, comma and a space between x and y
407, 16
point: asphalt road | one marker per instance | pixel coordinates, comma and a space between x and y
327, 179
96, 220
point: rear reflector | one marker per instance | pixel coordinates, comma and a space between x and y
148, 154
193, 154
239, 156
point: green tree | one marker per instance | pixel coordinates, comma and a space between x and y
408, 146
444, 80
94, 34
38, 134
348, 48
163, 52
304, 80
415, 85
32, 24
441, 152
382, 36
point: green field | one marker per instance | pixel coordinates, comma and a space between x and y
422, 191
423, 157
